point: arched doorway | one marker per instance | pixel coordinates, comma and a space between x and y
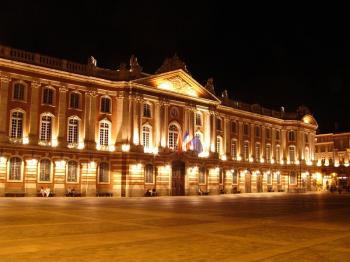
248, 182
178, 178
259, 182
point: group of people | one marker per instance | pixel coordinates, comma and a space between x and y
71, 191
45, 192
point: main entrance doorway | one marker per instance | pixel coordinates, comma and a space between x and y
178, 178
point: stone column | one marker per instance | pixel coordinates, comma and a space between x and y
165, 124
156, 128
226, 138
213, 132
252, 142
62, 109
135, 123
206, 138
4, 94
139, 119
34, 113
91, 121
240, 140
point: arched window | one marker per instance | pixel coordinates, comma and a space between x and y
103, 173
234, 149
198, 119
201, 175
15, 171
257, 151
292, 154
16, 125
173, 136
45, 170
72, 172
74, 100
146, 110
246, 150
149, 174
73, 130
146, 136
219, 145
278, 154
19, 91
104, 133
48, 96
46, 128
105, 105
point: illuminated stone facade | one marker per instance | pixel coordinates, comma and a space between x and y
68, 125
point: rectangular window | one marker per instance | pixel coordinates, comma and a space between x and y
277, 135
146, 110
18, 92
292, 154
268, 153
268, 133
233, 127
48, 96
257, 131
234, 149
306, 137
198, 119
246, 151
218, 124
257, 152
245, 129
291, 135
278, 157
74, 100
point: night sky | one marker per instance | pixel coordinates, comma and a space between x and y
276, 58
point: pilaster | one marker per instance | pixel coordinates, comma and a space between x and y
4, 93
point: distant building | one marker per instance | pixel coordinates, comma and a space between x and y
333, 156
101, 131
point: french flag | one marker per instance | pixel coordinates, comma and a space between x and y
186, 141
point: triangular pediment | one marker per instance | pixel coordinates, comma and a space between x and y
177, 82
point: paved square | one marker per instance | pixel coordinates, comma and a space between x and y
246, 227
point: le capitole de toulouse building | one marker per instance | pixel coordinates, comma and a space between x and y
65, 124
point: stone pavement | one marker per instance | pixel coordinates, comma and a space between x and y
245, 227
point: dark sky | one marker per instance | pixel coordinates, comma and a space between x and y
274, 56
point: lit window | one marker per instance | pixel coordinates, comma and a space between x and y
234, 177
48, 95
149, 174
16, 125
268, 153
173, 136
292, 154
73, 130
15, 169
146, 110
234, 149
146, 135
257, 152
18, 91
201, 175
74, 100
45, 170
104, 133
246, 151
198, 119
72, 172
219, 144
292, 178
105, 105
278, 154
103, 174
46, 128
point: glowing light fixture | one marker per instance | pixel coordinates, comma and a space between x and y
125, 147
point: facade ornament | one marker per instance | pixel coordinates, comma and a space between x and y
210, 85
92, 61
134, 64
224, 94
171, 64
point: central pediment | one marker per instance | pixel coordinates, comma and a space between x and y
177, 82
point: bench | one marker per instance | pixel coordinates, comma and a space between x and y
104, 194
15, 194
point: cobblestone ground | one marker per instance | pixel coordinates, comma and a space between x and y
245, 227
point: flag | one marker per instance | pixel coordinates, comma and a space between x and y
186, 141
197, 145
179, 144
